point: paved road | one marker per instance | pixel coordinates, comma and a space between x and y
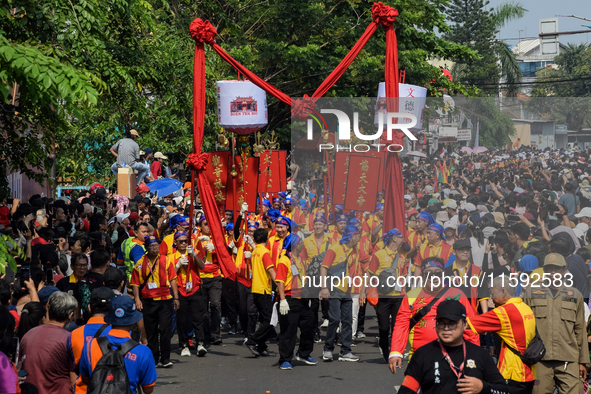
230, 368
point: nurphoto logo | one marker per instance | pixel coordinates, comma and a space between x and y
344, 130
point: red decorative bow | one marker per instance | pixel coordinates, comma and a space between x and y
198, 161
203, 31
383, 14
300, 107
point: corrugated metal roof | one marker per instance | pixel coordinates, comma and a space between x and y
526, 46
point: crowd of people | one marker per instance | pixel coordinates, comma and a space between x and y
101, 275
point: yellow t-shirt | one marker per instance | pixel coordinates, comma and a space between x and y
261, 262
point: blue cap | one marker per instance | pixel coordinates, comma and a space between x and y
122, 312
45, 292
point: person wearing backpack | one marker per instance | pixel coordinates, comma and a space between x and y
514, 321
132, 364
388, 264
560, 320
95, 326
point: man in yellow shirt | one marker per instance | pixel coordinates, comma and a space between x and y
263, 271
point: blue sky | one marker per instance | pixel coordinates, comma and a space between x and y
538, 9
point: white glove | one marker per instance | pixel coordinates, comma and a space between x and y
234, 250
209, 247
247, 239
190, 250
231, 245
283, 307
182, 261
247, 255
244, 208
204, 238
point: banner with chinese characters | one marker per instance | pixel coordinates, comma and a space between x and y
245, 183
362, 183
272, 171
217, 174
341, 170
380, 175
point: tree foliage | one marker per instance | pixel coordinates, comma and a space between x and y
129, 64
564, 93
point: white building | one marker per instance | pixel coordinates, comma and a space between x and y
530, 58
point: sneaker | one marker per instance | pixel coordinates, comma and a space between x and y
167, 364
159, 365
324, 323
348, 357
267, 353
232, 331
185, 352
317, 338
191, 344
252, 349
217, 341
201, 350
327, 356
285, 365
309, 360
360, 334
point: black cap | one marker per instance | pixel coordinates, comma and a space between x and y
451, 309
113, 277
462, 243
101, 294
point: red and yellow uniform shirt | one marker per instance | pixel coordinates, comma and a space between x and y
415, 238
384, 258
157, 286
339, 253
261, 262
291, 272
275, 246
212, 265
313, 247
188, 279
515, 323
424, 331
443, 250
244, 265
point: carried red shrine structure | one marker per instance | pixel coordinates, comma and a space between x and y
207, 169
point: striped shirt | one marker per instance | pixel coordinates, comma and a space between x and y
515, 323
128, 151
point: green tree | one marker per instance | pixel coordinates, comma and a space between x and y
476, 26
137, 59
564, 93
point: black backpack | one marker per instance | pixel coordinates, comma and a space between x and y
109, 376
313, 270
534, 353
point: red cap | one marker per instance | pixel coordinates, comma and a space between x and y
134, 217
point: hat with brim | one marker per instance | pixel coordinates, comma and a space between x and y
159, 155
122, 312
555, 259
134, 132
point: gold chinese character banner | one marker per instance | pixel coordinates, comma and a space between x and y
245, 183
362, 183
272, 172
217, 174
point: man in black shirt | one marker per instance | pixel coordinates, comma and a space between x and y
450, 364
93, 279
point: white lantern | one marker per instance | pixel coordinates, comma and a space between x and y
242, 106
412, 100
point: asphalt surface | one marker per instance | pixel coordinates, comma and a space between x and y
231, 368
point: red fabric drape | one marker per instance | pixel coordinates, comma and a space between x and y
204, 32
267, 87
393, 197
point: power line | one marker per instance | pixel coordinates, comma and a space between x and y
533, 82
